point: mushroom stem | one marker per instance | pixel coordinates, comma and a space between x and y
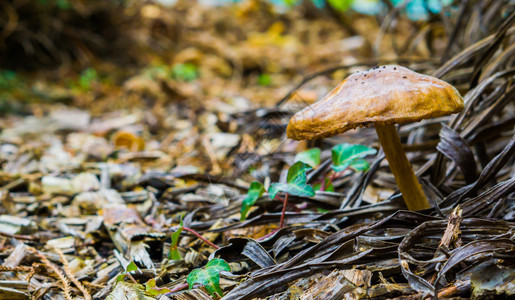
409, 186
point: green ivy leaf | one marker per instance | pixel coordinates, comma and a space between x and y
120, 277
344, 154
174, 252
255, 191
152, 289
360, 165
209, 276
340, 5
301, 190
310, 157
297, 173
296, 182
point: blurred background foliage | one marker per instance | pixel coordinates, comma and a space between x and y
50, 33
81, 52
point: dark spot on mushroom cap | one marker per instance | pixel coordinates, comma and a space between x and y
404, 77
394, 68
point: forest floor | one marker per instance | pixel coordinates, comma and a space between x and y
127, 155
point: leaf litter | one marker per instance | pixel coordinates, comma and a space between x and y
158, 180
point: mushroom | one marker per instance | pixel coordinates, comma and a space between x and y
383, 96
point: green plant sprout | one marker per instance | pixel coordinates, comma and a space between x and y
209, 276
348, 156
295, 185
344, 156
255, 191
174, 251
310, 157
131, 267
150, 286
87, 78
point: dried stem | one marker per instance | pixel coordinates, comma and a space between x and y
200, 237
281, 223
65, 282
16, 269
178, 288
69, 273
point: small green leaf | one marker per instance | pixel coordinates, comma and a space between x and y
120, 277
344, 154
301, 190
87, 78
255, 191
297, 173
274, 189
296, 182
131, 267
152, 289
209, 276
218, 263
185, 72
151, 283
264, 80
360, 165
174, 252
310, 157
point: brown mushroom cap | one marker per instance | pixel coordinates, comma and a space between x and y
386, 95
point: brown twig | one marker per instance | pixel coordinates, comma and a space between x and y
18, 236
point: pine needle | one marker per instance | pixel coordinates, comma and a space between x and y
16, 269
65, 282
69, 273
